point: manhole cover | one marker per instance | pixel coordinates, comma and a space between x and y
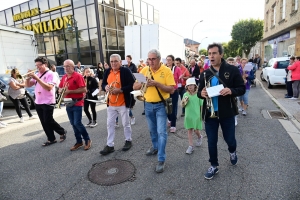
276, 114
111, 172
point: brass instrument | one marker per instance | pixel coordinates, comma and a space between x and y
108, 94
25, 75
143, 89
61, 96
184, 101
209, 103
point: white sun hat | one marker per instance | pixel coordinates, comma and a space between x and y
190, 81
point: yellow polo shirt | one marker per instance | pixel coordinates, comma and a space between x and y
164, 76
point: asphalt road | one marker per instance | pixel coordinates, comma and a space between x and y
268, 166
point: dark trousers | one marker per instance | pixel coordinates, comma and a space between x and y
93, 108
181, 92
45, 113
289, 88
228, 129
173, 116
17, 105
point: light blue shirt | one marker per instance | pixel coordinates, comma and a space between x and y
215, 81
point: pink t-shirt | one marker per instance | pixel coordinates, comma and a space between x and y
43, 96
176, 73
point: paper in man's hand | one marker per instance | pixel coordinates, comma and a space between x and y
214, 90
248, 67
140, 77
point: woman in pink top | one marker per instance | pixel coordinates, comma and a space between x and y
176, 74
295, 68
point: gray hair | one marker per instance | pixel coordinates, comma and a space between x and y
71, 61
115, 55
156, 52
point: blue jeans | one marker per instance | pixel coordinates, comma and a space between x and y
157, 122
228, 129
181, 92
244, 98
173, 116
75, 116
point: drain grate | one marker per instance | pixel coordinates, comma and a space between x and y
112, 172
276, 114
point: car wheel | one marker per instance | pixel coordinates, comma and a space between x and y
262, 76
269, 85
30, 102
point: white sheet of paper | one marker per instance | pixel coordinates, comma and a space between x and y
248, 67
136, 93
67, 100
214, 90
124, 62
140, 77
179, 85
95, 92
95, 101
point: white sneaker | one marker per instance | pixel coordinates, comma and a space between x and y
33, 117
241, 109
189, 150
172, 129
2, 125
293, 98
21, 120
236, 123
199, 141
244, 113
132, 121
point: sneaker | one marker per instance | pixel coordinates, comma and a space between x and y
172, 129
244, 113
21, 120
199, 141
132, 121
117, 125
211, 172
160, 167
127, 146
32, 117
88, 124
235, 123
151, 151
233, 158
76, 146
107, 150
88, 145
293, 98
240, 109
143, 113
2, 125
189, 150
93, 124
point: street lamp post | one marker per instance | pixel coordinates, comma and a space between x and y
193, 31
201, 42
71, 25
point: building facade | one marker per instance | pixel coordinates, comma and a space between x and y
82, 30
281, 29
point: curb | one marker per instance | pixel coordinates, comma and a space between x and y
288, 114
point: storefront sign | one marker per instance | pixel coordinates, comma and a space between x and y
50, 25
26, 14
280, 38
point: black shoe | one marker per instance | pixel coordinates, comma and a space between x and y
127, 146
88, 124
160, 167
107, 150
143, 113
151, 151
93, 124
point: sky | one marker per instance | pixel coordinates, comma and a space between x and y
181, 16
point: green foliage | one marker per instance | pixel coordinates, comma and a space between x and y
232, 49
247, 33
203, 52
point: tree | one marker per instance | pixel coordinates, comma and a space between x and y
203, 52
247, 33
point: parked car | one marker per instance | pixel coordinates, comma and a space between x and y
4, 78
274, 71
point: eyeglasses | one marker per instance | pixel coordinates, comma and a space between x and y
151, 59
37, 65
114, 61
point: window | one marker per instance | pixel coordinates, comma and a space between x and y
120, 19
43, 5
49, 43
150, 13
94, 39
273, 16
33, 4
137, 7
144, 21
2, 18
109, 3
16, 9
121, 39
144, 11
78, 3
84, 41
294, 5
95, 57
282, 9
156, 17
9, 17
24, 7
128, 6
80, 17
103, 39
101, 15
120, 4
267, 21
110, 20
91, 15
129, 19
54, 3
112, 39
137, 20
89, 2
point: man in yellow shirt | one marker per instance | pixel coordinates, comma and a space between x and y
163, 80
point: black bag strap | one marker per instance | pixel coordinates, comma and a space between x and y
42, 75
159, 94
212, 71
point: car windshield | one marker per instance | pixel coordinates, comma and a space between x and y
283, 64
5, 78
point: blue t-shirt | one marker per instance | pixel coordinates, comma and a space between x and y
215, 81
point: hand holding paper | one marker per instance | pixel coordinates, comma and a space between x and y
214, 90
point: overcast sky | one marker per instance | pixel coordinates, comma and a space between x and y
180, 16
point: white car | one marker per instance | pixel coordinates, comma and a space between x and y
274, 71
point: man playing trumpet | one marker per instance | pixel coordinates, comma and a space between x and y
118, 82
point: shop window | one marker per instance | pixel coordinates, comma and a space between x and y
101, 15
49, 43
129, 19
62, 2
144, 10
60, 43
86, 58
91, 16
121, 39
24, 7
75, 58
2, 18
103, 39
78, 3
60, 58
137, 7
137, 21
120, 4
95, 58
40, 44
128, 6
16, 9
112, 39
80, 17
94, 39
43, 5
54, 3
150, 13
33, 4
120, 19
110, 20
9, 17
89, 2
84, 41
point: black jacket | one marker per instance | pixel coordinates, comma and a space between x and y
132, 67
91, 86
231, 76
196, 71
127, 80
100, 72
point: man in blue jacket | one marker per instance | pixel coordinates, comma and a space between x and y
118, 81
222, 109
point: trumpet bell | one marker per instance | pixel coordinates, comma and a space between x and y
141, 98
